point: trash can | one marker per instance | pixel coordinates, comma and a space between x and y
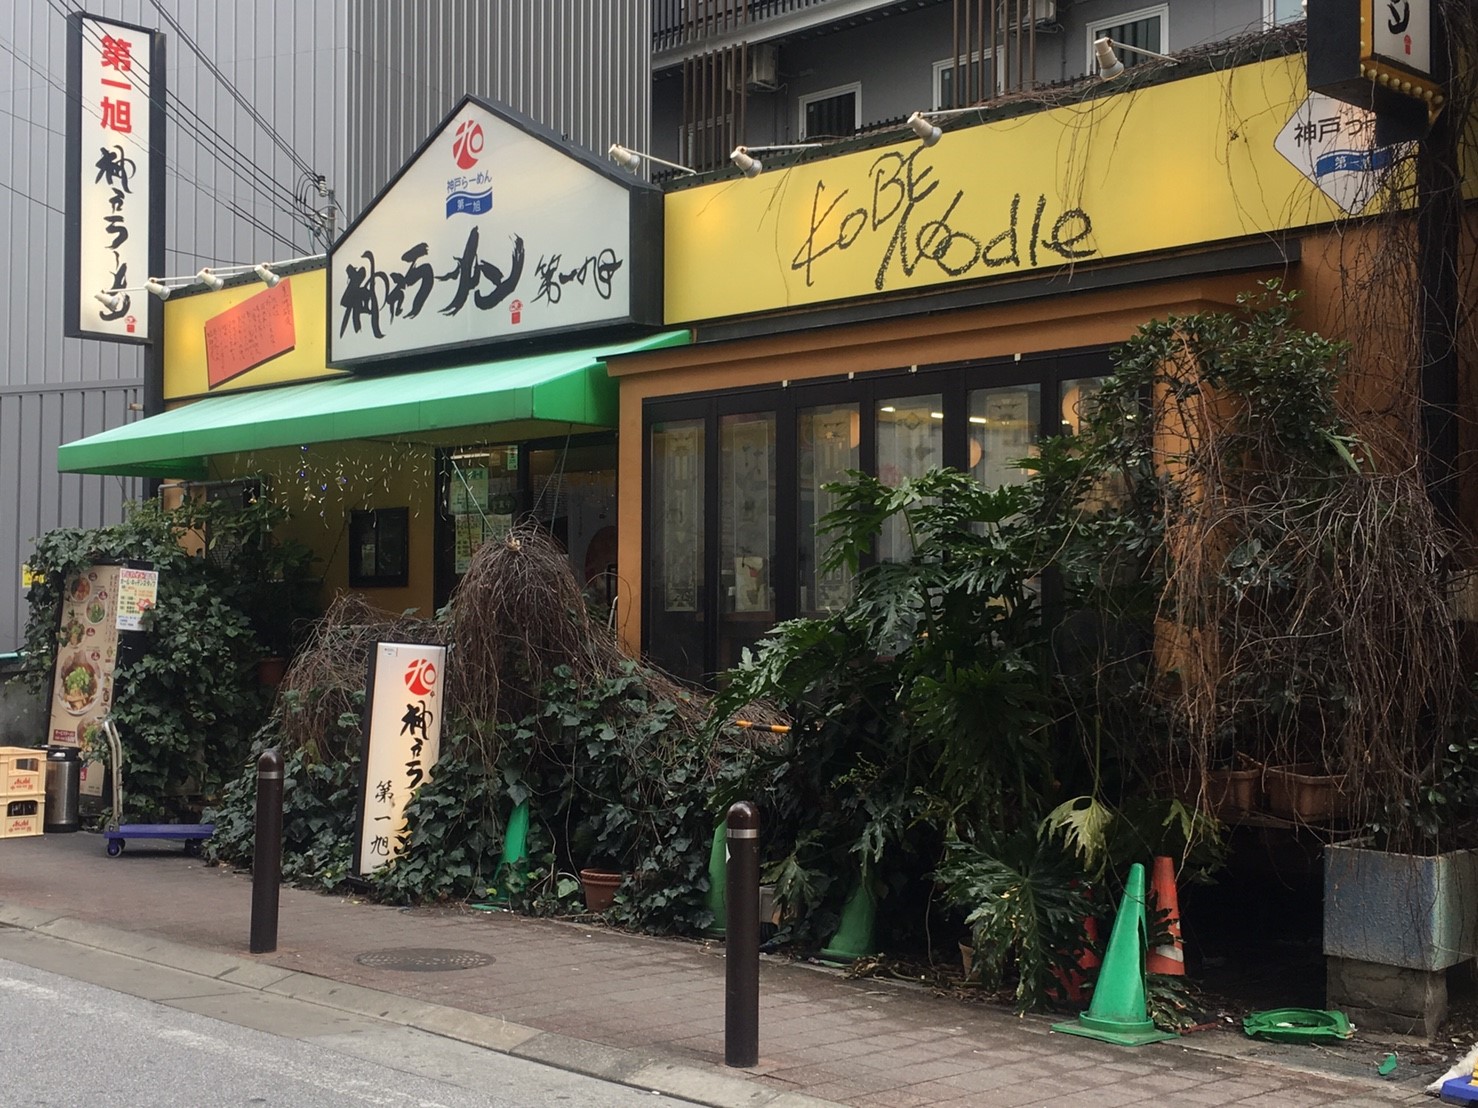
63, 786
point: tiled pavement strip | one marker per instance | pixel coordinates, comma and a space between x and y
644, 1011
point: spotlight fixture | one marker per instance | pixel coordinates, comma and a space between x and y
158, 288
919, 123
207, 278
747, 164
1109, 65
632, 159
110, 300
269, 278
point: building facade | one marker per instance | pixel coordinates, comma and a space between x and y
257, 93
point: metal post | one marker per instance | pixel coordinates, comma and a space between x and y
742, 942
266, 869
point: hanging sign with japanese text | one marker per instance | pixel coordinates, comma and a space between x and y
494, 231
405, 704
1398, 33
115, 157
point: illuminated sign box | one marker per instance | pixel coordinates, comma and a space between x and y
1377, 54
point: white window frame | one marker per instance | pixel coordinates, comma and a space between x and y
1270, 14
1098, 26
948, 63
802, 102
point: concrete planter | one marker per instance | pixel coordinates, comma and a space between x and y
1393, 925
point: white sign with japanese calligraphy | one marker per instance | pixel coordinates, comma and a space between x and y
1333, 144
402, 742
111, 116
1401, 32
490, 232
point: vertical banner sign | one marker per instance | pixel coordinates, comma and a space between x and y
115, 176
402, 742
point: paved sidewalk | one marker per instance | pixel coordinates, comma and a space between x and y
647, 1012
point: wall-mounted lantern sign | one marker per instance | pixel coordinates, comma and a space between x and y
1381, 55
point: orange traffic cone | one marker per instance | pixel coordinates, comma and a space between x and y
1073, 982
1168, 958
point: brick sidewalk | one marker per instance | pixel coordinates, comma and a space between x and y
858, 1042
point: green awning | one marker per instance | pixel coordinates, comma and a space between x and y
570, 387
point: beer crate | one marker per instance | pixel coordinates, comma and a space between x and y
22, 771
21, 816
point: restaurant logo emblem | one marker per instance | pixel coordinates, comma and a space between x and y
467, 145
420, 676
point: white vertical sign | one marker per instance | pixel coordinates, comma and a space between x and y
111, 118
1401, 32
402, 742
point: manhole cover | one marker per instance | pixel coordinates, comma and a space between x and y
420, 959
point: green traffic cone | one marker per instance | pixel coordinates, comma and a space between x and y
515, 850
1117, 1013
718, 868
854, 937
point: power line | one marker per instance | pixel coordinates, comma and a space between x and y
216, 147
32, 199
232, 89
207, 136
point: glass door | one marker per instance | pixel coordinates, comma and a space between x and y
747, 520
675, 564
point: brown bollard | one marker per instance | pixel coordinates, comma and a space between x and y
742, 938
266, 867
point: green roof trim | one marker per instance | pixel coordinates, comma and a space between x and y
567, 387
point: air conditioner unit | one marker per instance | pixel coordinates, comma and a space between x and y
762, 70
1042, 12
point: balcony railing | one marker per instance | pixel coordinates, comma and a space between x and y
678, 23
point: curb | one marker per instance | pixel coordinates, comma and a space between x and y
634, 1069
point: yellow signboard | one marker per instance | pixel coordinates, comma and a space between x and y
246, 337
1189, 161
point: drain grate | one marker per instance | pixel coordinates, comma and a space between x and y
421, 959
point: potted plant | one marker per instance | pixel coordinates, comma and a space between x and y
600, 887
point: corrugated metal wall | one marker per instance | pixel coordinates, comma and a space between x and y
580, 67
290, 60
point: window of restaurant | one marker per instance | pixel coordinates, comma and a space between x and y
735, 484
567, 486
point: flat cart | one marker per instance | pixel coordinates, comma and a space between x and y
118, 833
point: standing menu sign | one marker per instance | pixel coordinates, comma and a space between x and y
88, 644
402, 741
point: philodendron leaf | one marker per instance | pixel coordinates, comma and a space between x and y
1083, 824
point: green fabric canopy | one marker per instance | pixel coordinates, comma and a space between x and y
568, 387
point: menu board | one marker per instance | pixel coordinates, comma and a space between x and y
86, 656
138, 591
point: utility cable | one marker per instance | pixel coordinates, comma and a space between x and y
232, 89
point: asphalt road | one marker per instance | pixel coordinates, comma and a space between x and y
67, 1044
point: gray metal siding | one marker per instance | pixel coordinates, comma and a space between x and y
33, 422
290, 59
582, 68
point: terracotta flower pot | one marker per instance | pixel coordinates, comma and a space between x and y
270, 671
600, 887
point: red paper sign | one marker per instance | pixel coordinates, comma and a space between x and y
253, 332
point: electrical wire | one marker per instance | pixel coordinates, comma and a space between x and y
227, 156
206, 135
188, 121
32, 199
232, 89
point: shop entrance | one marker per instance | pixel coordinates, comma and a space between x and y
566, 486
